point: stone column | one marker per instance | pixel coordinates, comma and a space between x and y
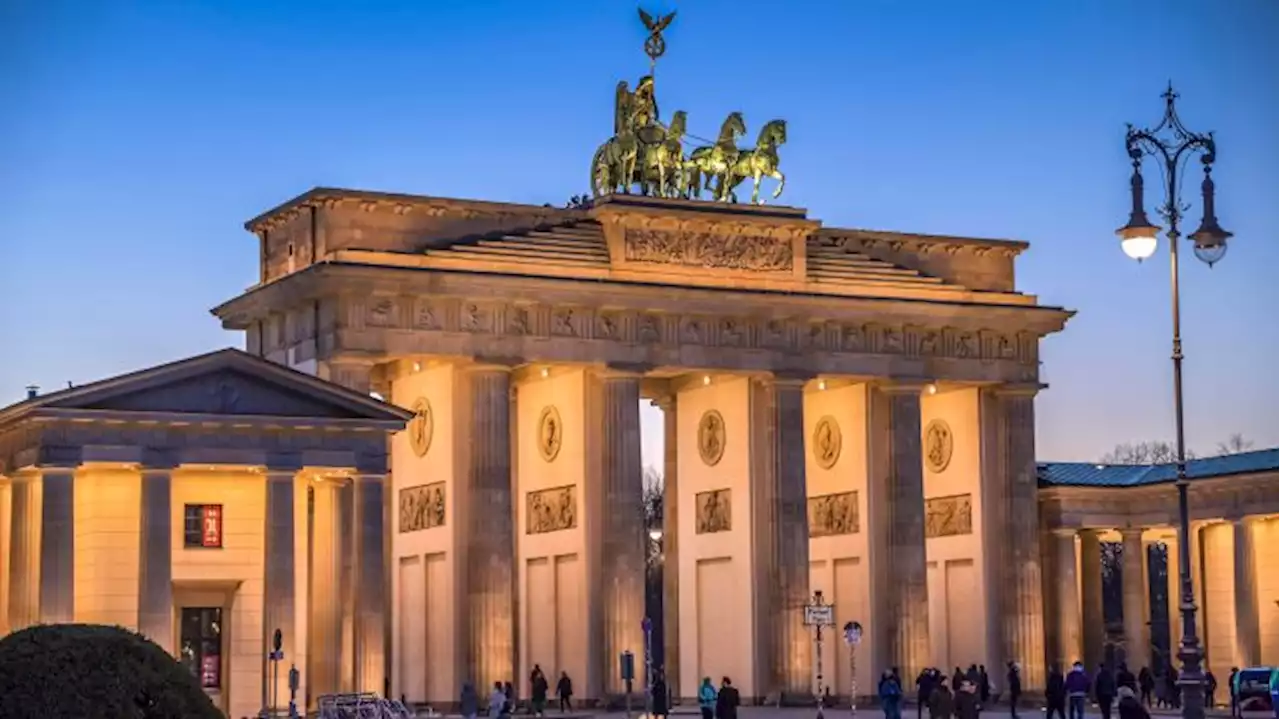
896, 483
370, 584
488, 574
1068, 598
324, 628
670, 543
622, 557
1022, 600
1248, 641
155, 564
1196, 540
355, 375
57, 545
1094, 638
1136, 640
22, 561
279, 601
781, 537
1174, 591
344, 501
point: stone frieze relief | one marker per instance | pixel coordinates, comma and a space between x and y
422, 507
832, 514
494, 317
948, 516
706, 250
551, 510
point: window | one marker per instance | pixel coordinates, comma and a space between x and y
201, 644
202, 526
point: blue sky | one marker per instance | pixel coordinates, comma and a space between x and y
137, 137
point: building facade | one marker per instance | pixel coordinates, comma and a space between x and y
846, 410
205, 503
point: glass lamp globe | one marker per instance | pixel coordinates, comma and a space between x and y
1139, 245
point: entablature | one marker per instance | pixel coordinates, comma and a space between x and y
1156, 505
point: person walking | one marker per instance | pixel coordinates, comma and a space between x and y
1013, 679
1104, 691
707, 698
538, 687
966, 701
727, 700
890, 692
564, 690
925, 684
1146, 684
1125, 678
658, 696
469, 702
1231, 691
1055, 693
1128, 706
497, 701
1077, 686
941, 702
984, 687
1210, 687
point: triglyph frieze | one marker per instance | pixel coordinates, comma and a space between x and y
489, 317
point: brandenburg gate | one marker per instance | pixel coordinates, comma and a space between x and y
845, 410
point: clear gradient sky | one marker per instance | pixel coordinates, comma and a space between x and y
135, 138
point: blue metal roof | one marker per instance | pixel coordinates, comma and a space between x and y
1087, 474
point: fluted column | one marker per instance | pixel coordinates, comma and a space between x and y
324, 628
1173, 591
1248, 641
489, 570
622, 537
670, 542
155, 565
1023, 600
1068, 598
22, 560
1132, 557
1094, 638
279, 600
896, 481
370, 583
57, 545
781, 537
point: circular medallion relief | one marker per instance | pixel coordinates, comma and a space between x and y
421, 426
711, 437
550, 433
826, 442
937, 445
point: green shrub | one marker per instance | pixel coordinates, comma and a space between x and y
90, 670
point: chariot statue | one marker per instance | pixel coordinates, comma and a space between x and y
647, 157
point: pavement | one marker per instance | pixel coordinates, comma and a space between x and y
842, 712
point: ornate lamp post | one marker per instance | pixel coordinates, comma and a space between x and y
1172, 144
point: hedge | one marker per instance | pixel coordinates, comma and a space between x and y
90, 671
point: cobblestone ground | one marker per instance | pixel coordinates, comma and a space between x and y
908, 712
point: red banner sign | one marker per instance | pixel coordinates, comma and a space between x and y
211, 521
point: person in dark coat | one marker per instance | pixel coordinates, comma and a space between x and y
1014, 679
659, 696
1055, 693
538, 688
925, 684
889, 690
1210, 686
966, 701
564, 690
1125, 678
1077, 686
1171, 686
1104, 691
1146, 685
469, 702
1129, 707
957, 678
984, 685
941, 702
727, 700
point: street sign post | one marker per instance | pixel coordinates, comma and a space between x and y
853, 637
819, 614
647, 626
628, 666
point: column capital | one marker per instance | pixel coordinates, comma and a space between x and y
902, 387
790, 378
56, 470
492, 364
1131, 532
1064, 532
159, 472
622, 370
665, 402
1023, 389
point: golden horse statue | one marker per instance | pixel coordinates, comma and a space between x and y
715, 162
662, 163
760, 162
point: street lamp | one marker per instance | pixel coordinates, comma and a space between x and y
1172, 144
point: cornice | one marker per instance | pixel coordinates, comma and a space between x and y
917, 244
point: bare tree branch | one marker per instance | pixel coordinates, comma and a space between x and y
1235, 444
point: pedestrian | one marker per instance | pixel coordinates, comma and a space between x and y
957, 679
1210, 686
1077, 686
727, 700
1171, 687
707, 698
497, 701
658, 695
469, 702
1014, 680
1055, 693
925, 684
941, 702
538, 688
564, 690
1104, 691
509, 692
890, 693
1125, 678
1129, 707
1146, 683
984, 687
1231, 690
966, 701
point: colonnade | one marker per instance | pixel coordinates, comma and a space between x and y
1233, 573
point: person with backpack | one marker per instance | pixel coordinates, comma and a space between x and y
890, 693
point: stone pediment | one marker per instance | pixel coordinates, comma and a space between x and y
226, 382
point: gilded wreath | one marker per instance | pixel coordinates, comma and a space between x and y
550, 433
711, 437
421, 427
937, 445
